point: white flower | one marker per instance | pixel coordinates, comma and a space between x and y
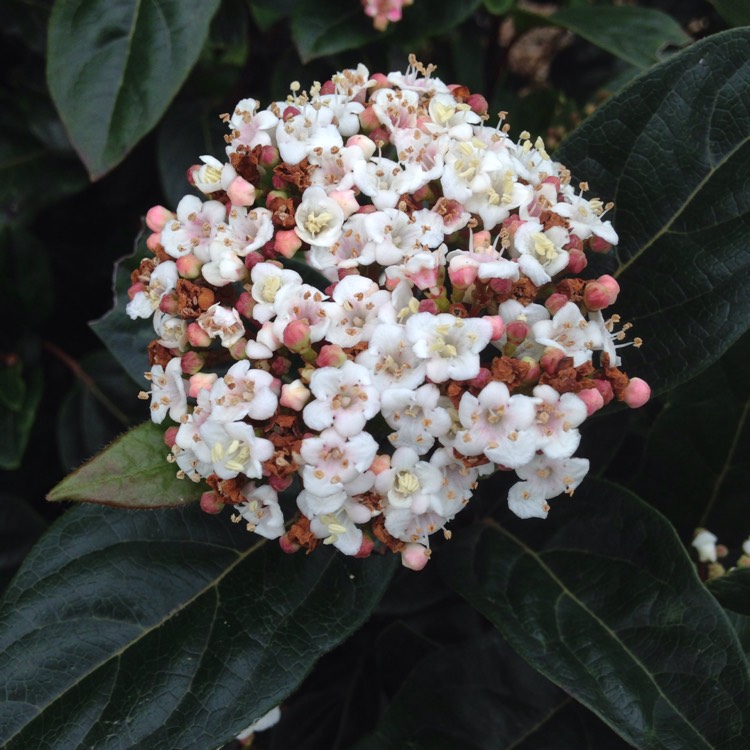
354, 317
268, 280
416, 417
303, 302
194, 228
339, 528
497, 425
243, 392
385, 181
448, 116
247, 229
459, 482
705, 543
249, 127
397, 110
171, 330
557, 417
397, 235
300, 135
167, 391
344, 399
449, 345
162, 281
222, 322
261, 511
539, 251
569, 332
584, 217
545, 478
390, 359
409, 483
319, 218
224, 267
332, 461
235, 449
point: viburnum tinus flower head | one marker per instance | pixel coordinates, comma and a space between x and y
367, 330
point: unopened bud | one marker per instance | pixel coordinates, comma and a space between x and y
478, 104
637, 393
296, 335
188, 266
598, 245
245, 304
135, 288
153, 241
201, 381
363, 143
462, 272
498, 326
270, 157
381, 81
605, 388
237, 350
381, 463
517, 331
331, 355
577, 261
555, 302
287, 242
592, 398
197, 336
279, 483
366, 548
170, 435
241, 192
482, 379
414, 556
287, 545
280, 366
169, 303
192, 362
369, 120
158, 217
595, 296
551, 359
294, 395
347, 200
210, 503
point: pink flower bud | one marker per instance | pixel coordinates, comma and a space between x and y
210, 503
414, 556
577, 261
424, 193
237, 350
331, 355
604, 387
197, 336
287, 242
157, 218
153, 241
269, 157
592, 398
518, 331
462, 272
169, 304
294, 395
551, 359
245, 304
201, 381
598, 245
637, 393
289, 113
381, 81
296, 335
170, 435
369, 120
192, 362
533, 373
287, 545
279, 483
329, 87
280, 366
347, 200
512, 223
188, 266
501, 286
574, 243
428, 305
135, 288
478, 104
381, 135
498, 326
363, 143
482, 379
612, 287
555, 302
366, 548
241, 192
381, 463
596, 296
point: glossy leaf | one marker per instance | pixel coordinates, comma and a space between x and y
672, 150
20, 527
696, 465
636, 35
734, 12
132, 472
165, 629
114, 66
480, 695
16, 423
126, 339
733, 592
610, 608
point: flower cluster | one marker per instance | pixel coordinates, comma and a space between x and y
377, 304
384, 12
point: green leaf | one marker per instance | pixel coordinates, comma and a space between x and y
610, 609
480, 695
12, 387
733, 592
499, 7
100, 405
636, 35
16, 423
127, 339
20, 527
696, 465
672, 150
165, 629
734, 12
130, 473
113, 66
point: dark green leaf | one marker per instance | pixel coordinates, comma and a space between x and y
499, 7
20, 527
114, 66
610, 608
127, 339
12, 387
165, 629
330, 27
482, 696
26, 19
734, 12
696, 465
733, 592
636, 35
130, 473
672, 150
99, 407
16, 424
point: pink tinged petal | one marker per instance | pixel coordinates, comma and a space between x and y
526, 503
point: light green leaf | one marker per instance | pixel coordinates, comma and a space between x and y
734, 12
166, 629
113, 66
672, 150
130, 473
610, 608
